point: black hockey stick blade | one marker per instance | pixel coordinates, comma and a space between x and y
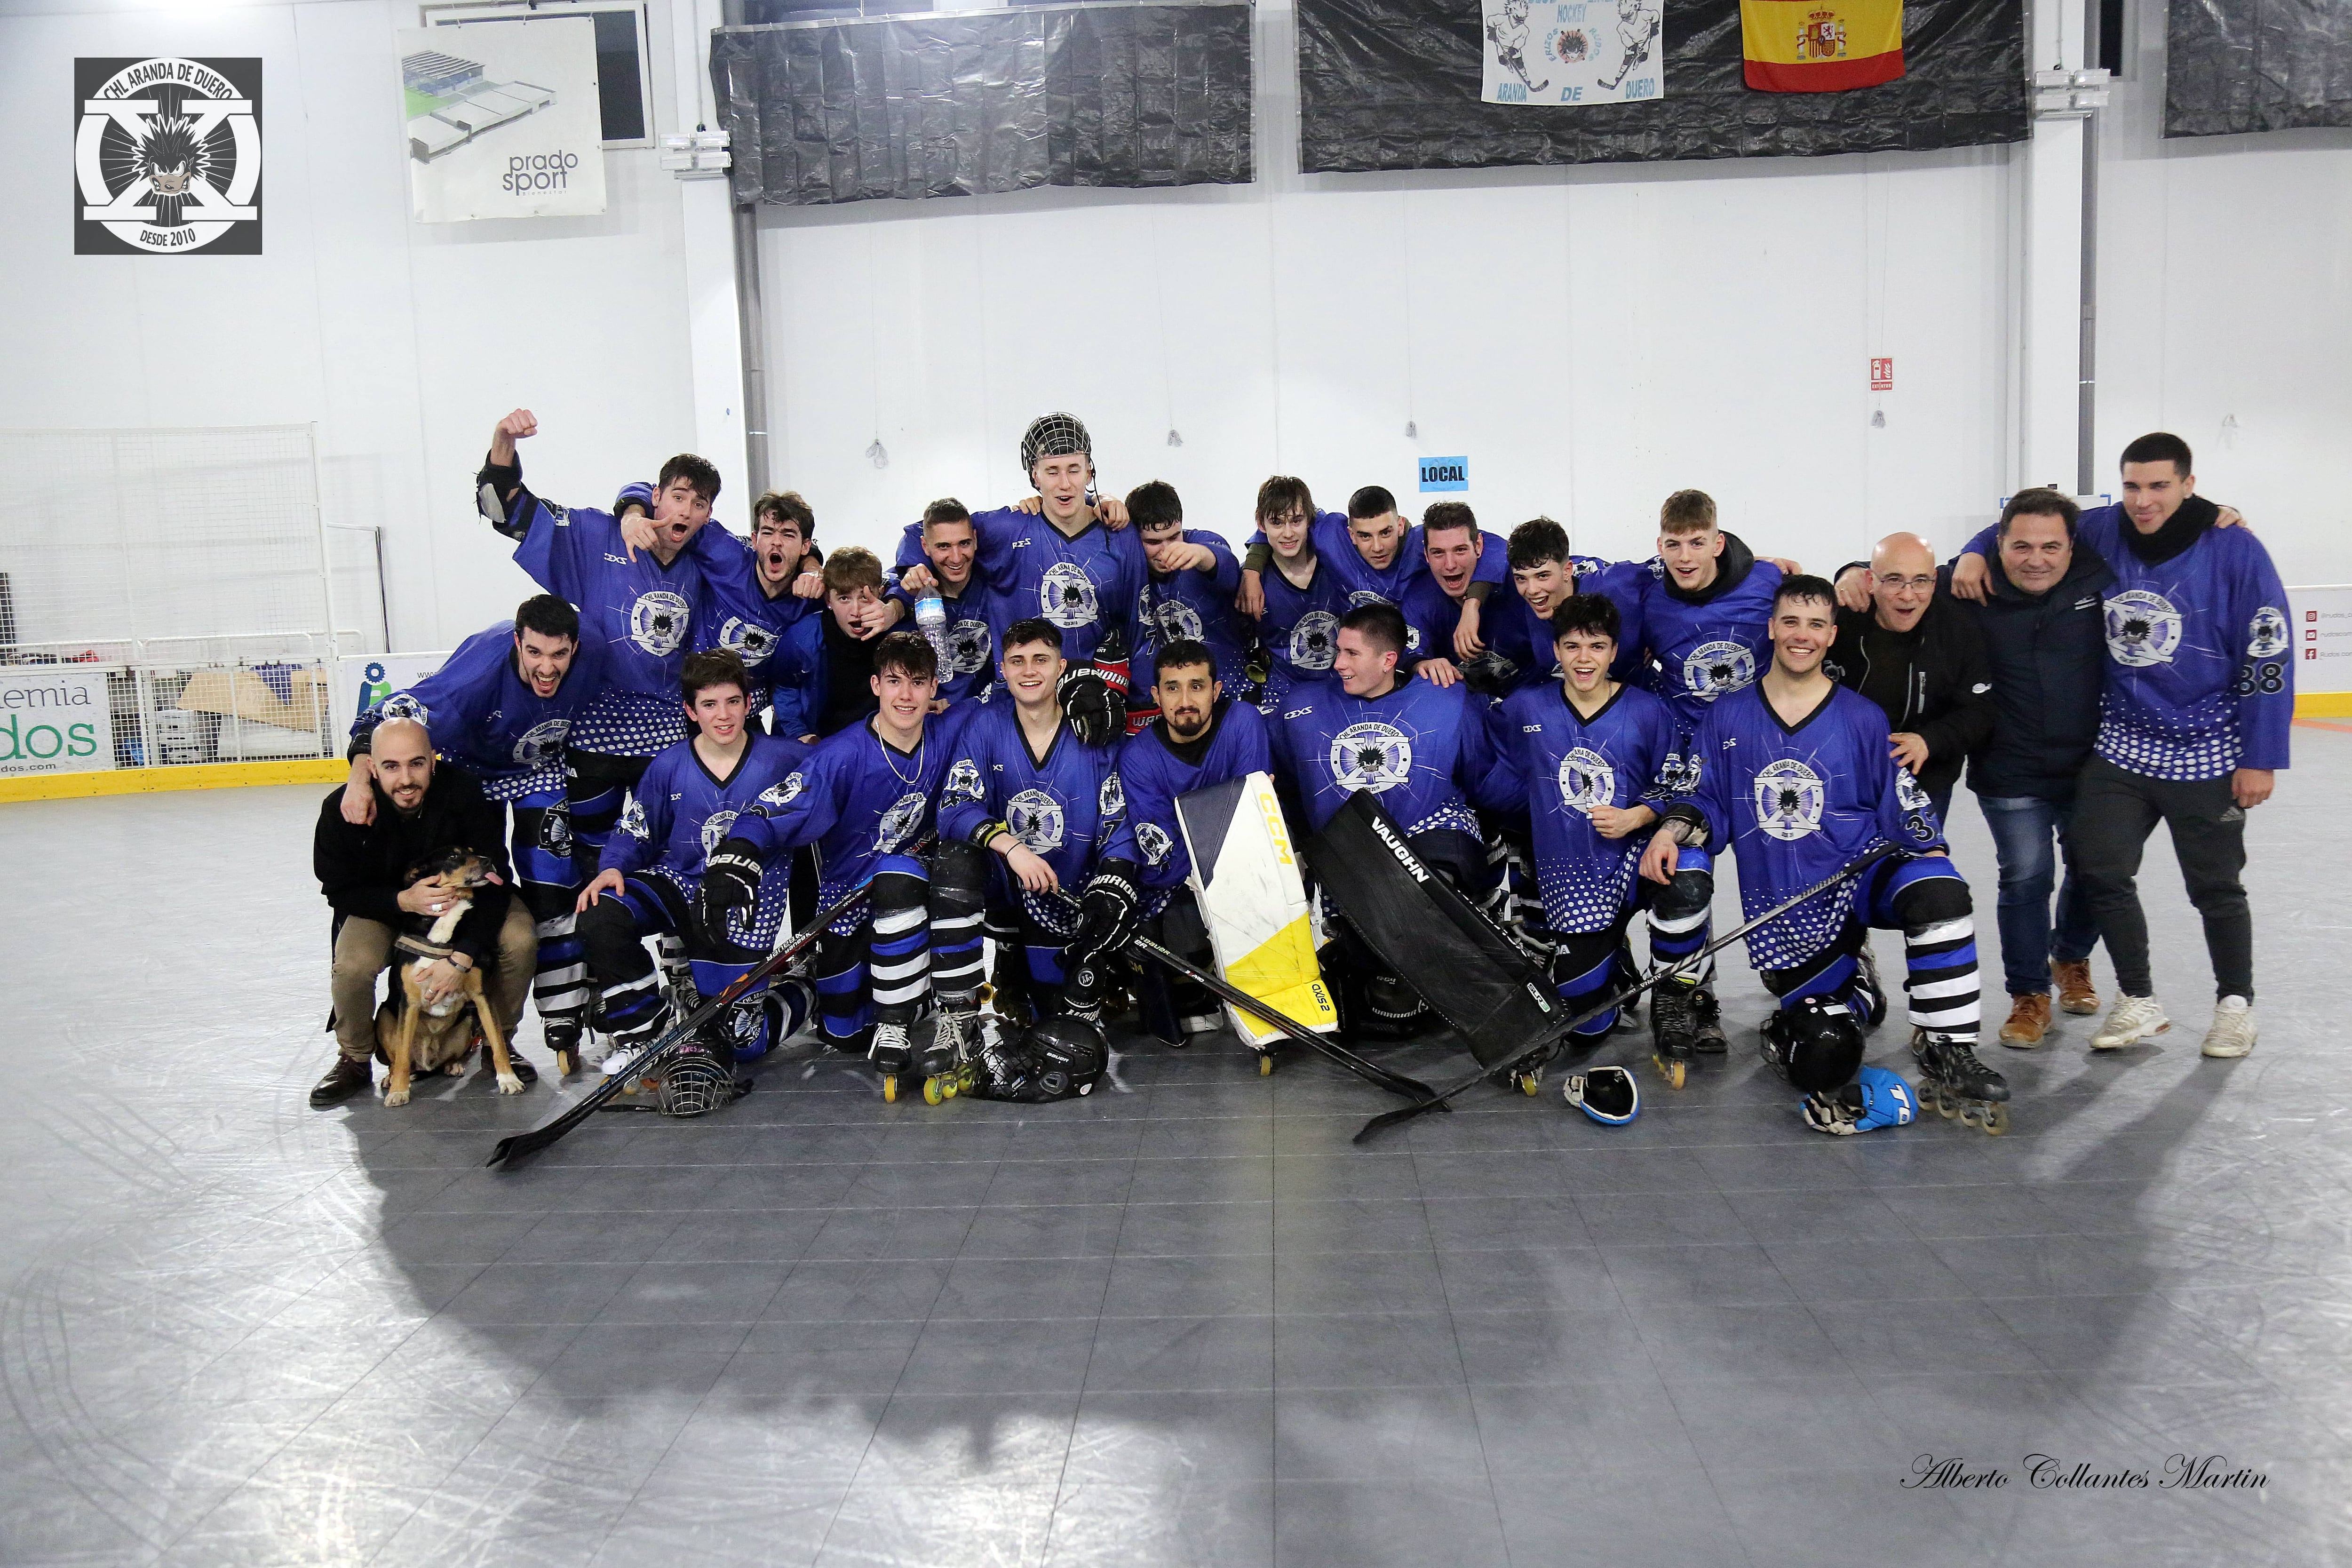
1370, 1072
1543, 1053
521, 1145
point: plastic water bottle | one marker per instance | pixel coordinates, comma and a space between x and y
931, 619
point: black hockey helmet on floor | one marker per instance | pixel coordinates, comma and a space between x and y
1608, 1095
1814, 1042
1058, 1059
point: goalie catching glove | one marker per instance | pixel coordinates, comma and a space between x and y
731, 881
1094, 696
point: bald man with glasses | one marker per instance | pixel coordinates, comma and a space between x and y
1921, 658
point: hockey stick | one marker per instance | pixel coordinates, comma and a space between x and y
1544, 1052
514, 1148
1370, 1072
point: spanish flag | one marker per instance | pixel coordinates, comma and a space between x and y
1821, 45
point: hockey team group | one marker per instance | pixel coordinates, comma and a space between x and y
984, 742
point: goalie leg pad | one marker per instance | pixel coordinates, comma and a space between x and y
1251, 908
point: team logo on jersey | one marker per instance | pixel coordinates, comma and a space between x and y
400, 705
783, 795
541, 743
2143, 628
1679, 774
1718, 668
1153, 840
1373, 756
1035, 818
1586, 780
657, 622
747, 640
633, 819
714, 830
963, 782
1066, 597
1177, 620
967, 647
1112, 801
899, 824
1310, 639
1788, 799
1919, 811
555, 830
167, 156
2266, 638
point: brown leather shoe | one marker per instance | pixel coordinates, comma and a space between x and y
2076, 992
2028, 1020
347, 1078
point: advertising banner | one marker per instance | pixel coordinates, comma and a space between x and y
1583, 51
54, 719
2323, 638
365, 679
503, 119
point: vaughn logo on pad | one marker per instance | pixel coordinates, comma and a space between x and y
167, 156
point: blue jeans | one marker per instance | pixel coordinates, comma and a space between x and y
2028, 836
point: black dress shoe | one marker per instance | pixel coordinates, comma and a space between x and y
348, 1077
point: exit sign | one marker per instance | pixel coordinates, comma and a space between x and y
1882, 374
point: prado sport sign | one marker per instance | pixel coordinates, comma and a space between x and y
502, 120
167, 156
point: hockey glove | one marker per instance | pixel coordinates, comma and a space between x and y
1876, 1098
1096, 709
1107, 911
730, 883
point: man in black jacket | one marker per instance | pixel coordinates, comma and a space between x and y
421, 810
2044, 631
1917, 652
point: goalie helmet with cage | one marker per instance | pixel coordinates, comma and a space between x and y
697, 1081
1055, 435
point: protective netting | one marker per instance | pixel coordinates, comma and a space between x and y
191, 567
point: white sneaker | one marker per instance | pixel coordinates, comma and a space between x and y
595, 1048
2131, 1020
2233, 1033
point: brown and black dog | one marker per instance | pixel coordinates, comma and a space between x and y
411, 1034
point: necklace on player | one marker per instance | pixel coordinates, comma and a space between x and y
891, 755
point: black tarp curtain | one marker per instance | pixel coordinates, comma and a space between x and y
987, 101
1395, 84
2256, 65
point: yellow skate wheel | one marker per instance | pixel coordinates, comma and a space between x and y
1673, 1072
1264, 1064
1996, 1120
890, 1087
1529, 1083
1947, 1106
566, 1063
935, 1089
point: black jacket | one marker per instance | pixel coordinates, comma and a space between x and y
1947, 682
2049, 657
361, 870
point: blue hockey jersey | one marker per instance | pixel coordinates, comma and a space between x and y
1197, 605
738, 615
679, 811
1153, 771
2201, 657
639, 613
1298, 631
1085, 584
1424, 749
484, 717
1362, 583
975, 616
1796, 803
1712, 644
856, 798
1067, 806
1512, 630
1563, 765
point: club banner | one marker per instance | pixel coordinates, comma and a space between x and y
1821, 45
502, 120
1245, 880
1587, 51
167, 156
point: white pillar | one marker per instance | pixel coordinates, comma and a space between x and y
713, 325
2051, 231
